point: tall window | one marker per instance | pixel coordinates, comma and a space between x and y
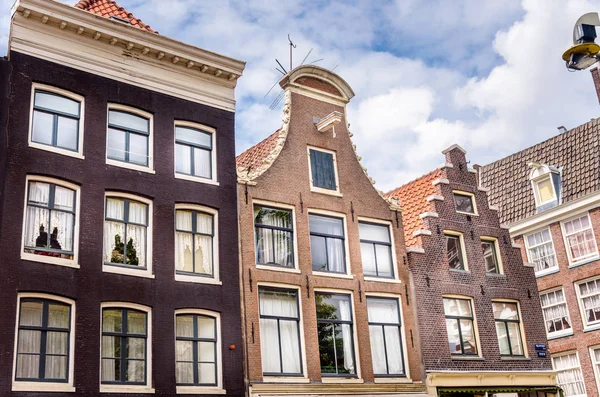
124, 346
464, 202
334, 328
125, 232
460, 326
580, 240
50, 220
490, 255
55, 120
274, 233
193, 152
556, 313
454, 251
280, 332
43, 341
541, 251
194, 242
322, 168
589, 301
386, 339
376, 250
570, 378
196, 350
128, 136
327, 244
508, 328
595, 355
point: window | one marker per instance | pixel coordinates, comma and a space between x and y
128, 139
194, 242
196, 350
579, 239
376, 250
508, 328
124, 346
460, 326
194, 151
50, 221
454, 251
274, 234
280, 332
541, 251
327, 244
544, 191
323, 172
570, 378
334, 329
465, 202
490, 255
386, 336
595, 355
556, 313
44, 343
589, 301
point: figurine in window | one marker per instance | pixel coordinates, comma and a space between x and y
54, 244
42, 238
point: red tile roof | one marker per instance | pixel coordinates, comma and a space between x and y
108, 8
413, 201
255, 156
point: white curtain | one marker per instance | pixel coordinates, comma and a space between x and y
335, 253
29, 341
367, 253
202, 163
279, 252
115, 209
204, 244
377, 349
183, 163
109, 323
56, 366
39, 192
347, 336
137, 214
61, 235
385, 311
36, 218
570, 377
184, 350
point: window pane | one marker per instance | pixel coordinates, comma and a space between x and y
323, 173
39, 193
58, 316
136, 322
489, 255
272, 217
114, 245
335, 255
505, 311
127, 120
184, 254
270, 353
28, 366
367, 253
36, 227
326, 225
204, 223
545, 190
64, 198
454, 253
207, 373
43, 124
183, 159
57, 343
29, 341
453, 336
468, 336
56, 102
138, 149
384, 260
193, 136
278, 303
112, 320
67, 133
382, 310
62, 224
371, 232
515, 338
290, 346
31, 313
377, 350
56, 367
206, 351
136, 371
464, 203
138, 213
115, 208
116, 144
394, 350
185, 325
184, 350
183, 220
184, 373
111, 370
136, 348
206, 327
318, 253
502, 338
202, 163
203, 255
136, 245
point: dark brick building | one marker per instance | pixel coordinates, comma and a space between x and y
119, 255
478, 313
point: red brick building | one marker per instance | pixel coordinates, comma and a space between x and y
478, 312
326, 303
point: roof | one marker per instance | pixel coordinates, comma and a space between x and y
413, 200
108, 8
256, 155
576, 152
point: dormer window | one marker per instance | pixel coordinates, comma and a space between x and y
546, 184
323, 171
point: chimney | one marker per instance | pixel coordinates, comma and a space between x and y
596, 77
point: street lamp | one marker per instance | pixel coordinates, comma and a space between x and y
584, 52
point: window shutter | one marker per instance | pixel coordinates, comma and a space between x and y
323, 173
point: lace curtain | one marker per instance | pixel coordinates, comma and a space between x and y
122, 236
194, 252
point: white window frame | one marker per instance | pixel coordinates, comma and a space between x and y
465, 193
288, 207
564, 332
63, 387
595, 365
536, 193
219, 365
475, 327
395, 278
586, 326
137, 112
65, 152
572, 261
494, 240
204, 128
521, 327
463, 250
74, 263
342, 216
147, 388
215, 279
567, 353
149, 248
316, 189
528, 247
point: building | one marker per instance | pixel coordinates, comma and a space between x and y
480, 322
326, 302
119, 220
549, 196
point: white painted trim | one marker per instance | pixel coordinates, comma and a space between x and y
141, 113
285, 379
331, 274
389, 225
67, 387
586, 326
315, 94
147, 273
342, 216
215, 279
213, 153
440, 181
515, 245
315, 189
566, 353
564, 332
452, 147
435, 197
521, 321
535, 187
445, 165
278, 269
473, 201
572, 261
503, 226
472, 170
415, 250
595, 365
203, 389
43, 87
463, 250
498, 252
483, 189
73, 263
332, 379
421, 232
429, 215
383, 280
475, 327
147, 388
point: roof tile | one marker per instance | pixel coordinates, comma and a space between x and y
108, 8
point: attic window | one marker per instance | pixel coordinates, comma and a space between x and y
546, 184
119, 19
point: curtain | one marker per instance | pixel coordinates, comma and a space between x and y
269, 349
37, 218
183, 161
273, 246
184, 349
394, 350
367, 253
202, 163
384, 260
377, 349
347, 336
204, 244
137, 234
56, 344
335, 255
290, 346
557, 318
39, 192
111, 321
184, 241
570, 377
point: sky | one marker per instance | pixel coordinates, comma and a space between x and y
485, 74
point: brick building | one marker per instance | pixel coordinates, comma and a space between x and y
549, 196
326, 303
478, 312
118, 221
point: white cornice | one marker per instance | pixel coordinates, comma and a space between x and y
440, 180
415, 250
421, 232
429, 215
435, 197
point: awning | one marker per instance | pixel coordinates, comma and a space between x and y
444, 391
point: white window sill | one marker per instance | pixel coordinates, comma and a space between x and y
509, 358
145, 273
468, 358
590, 328
467, 213
328, 192
583, 262
43, 387
122, 164
196, 179
383, 280
460, 271
334, 275
126, 389
325, 379
285, 379
49, 260
64, 152
558, 335
547, 272
199, 390
278, 269
391, 380
198, 280
501, 275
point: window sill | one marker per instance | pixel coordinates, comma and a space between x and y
126, 389
196, 179
198, 280
278, 269
468, 358
325, 379
285, 379
515, 358
328, 192
467, 213
383, 280
199, 390
122, 164
500, 275
460, 271
583, 262
547, 272
127, 271
334, 275
591, 328
43, 387
388, 379
558, 336
64, 152
50, 260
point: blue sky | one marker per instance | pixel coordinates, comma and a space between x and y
484, 74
